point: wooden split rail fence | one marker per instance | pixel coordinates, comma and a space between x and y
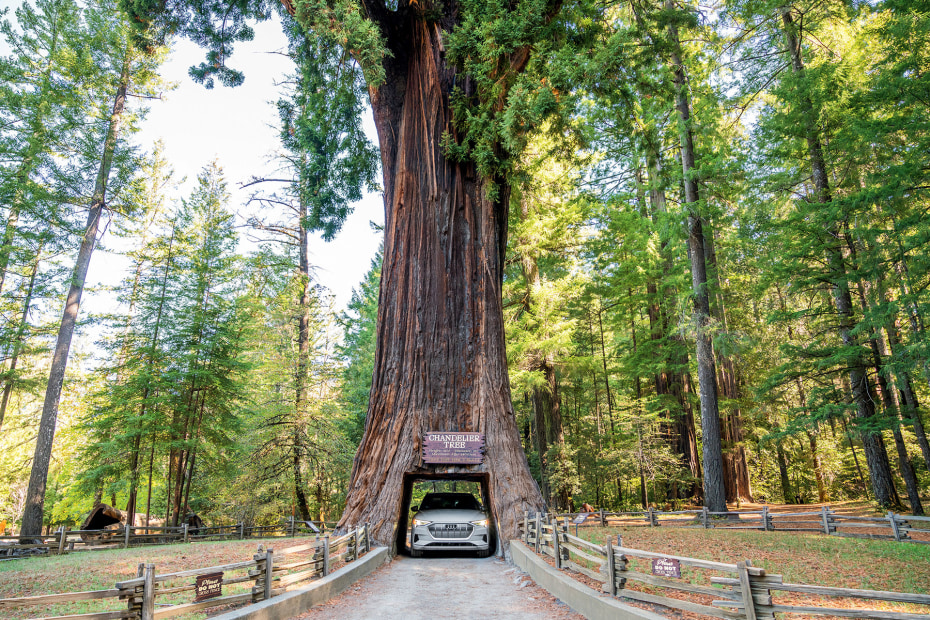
824, 521
64, 541
738, 591
266, 575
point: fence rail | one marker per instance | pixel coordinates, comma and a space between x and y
64, 541
824, 521
743, 592
267, 573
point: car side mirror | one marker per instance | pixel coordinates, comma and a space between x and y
414, 508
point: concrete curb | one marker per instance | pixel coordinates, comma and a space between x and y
588, 602
290, 604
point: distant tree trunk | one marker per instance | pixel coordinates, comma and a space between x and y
818, 468
787, 496
902, 376
303, 507
671, 381
714, 488
137, 442
19, 339
440, 362
35, 495
541, 397
876, 457
303, 358
556, 433
735, 469
889, 404
802, 400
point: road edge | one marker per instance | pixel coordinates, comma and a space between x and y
588, 602
296, 602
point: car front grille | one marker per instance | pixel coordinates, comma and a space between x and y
451, 530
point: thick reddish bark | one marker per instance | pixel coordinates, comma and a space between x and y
440, 362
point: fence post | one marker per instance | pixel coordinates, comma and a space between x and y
825, 519
269, 572
186, 533
652, 517
133, 594
537, 532
326, 555
555, 544
526, 527
749, 605
367, 537
148, 593
765, 518
565, 524
611, 568
126, 537
894, 526
62, 535
241, 531
603, 521
293, 527
705, 521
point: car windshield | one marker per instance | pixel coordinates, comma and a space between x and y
445, 501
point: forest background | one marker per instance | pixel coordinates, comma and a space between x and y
790, 140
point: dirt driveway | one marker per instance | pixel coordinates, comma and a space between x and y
459, 588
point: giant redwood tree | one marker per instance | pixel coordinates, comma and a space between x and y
453, 87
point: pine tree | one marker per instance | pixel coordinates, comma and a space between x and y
111, 35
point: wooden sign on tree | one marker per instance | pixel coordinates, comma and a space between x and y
453, 448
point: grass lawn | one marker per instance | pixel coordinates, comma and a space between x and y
799, 558
100, 570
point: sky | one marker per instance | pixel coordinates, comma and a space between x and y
236, 126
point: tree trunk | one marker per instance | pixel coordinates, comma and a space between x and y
35, 495
714, 489
10, 379
735, 469
818, 468
783, 473
303, 506
876, 457
440, 362
672, 380
542, 406
303, 357
902, 376
137, 441
891, 408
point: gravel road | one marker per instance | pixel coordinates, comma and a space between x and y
434, 588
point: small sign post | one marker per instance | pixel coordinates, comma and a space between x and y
666, 567
208, 586
581, 518
453, 448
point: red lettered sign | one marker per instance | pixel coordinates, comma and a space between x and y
453, 448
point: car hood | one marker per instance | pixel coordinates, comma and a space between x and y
450, 515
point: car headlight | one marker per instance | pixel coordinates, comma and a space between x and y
419, 522
480, 523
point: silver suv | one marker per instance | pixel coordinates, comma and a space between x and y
449, 522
